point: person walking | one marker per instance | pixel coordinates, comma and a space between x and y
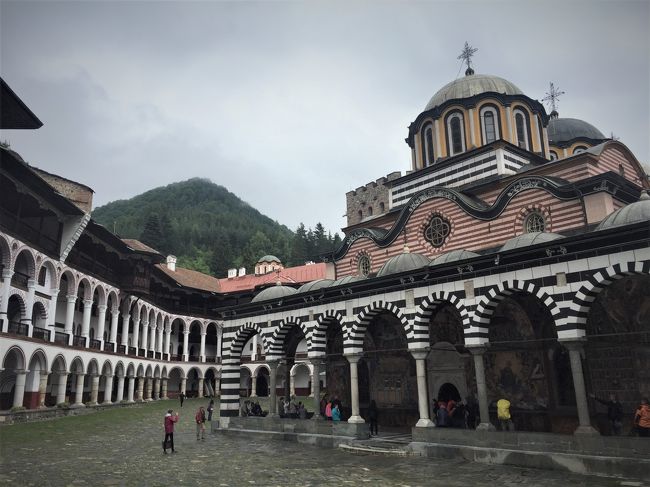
642, 418
170, 420
200, 424
181, 396
210, 409
373, 416
614, 412
503, 413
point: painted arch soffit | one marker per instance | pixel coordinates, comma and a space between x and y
473, 207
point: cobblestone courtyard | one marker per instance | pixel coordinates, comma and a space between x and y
123, 447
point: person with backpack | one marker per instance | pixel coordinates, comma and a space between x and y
200, 424
614, 412
170, 420
642, 418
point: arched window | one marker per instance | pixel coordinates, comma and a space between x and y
428, 156
579, 149
369, 210
521, 124
41, 276
455, 134
382, 207
621, 170
534, 222
553, 156
489, 124
363, 265
360, 215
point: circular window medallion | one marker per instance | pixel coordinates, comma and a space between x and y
534, 222
363, 265
437, 231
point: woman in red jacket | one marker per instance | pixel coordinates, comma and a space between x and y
170, 419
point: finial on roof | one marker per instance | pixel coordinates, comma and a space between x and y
645, 195
551, 98
466, 55
278, 283
406, 249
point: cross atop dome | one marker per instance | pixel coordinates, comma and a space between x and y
466, 55
552, 97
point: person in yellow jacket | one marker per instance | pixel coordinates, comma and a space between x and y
503, 413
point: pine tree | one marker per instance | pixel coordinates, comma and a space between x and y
299, 246
151, 234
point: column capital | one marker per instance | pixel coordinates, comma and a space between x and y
71, 297
317, 361
31, 283
420, 353
273, 362
7, 273
144, 322
354, 357
186, 332
477, 349
21, 371
88, 302
102, 307
204, 333
573, 343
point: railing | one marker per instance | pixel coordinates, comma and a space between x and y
142, 352
121, 349
41, 333
194, 358
61, 338
149, 353
159, 355
213, 359
109, 346
95, 344
18, 328
78, 341
133, 351
19, 280
176, 358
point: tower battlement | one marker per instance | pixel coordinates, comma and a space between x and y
369, 200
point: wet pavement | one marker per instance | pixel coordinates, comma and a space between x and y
122, 447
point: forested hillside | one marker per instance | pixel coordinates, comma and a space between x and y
210, 229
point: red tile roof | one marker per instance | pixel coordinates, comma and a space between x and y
290, 275
137, 245
192, 279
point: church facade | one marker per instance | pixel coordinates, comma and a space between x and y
511, 261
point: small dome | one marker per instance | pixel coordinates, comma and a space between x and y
526, 239
561, 130
403, 262
346, 280
313, 285
453, 256
269, 258
275, 292
471, 85
632, 213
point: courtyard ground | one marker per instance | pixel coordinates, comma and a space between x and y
122, 447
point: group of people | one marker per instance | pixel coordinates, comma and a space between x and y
453, 414
171, 418
250, 408
292, 410
330, 408
615, 415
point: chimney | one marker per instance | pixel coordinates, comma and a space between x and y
232, 273
242, 271
171, 263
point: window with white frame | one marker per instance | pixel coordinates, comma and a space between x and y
553, 156
580, 149
428, 156
456, 133
489, 124
521, 125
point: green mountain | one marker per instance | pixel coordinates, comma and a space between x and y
209, 228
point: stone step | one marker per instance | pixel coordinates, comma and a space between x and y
364, 448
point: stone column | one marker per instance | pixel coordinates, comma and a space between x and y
42, 389
149, 388
167, 343
354, 388
254, 384
79, 392
60, 389
575, 355
145, 336
94, 388
130, 390
119, 396
135, 339
69, 316
254, 350
219, 333
140, 395
156, 389
125, 332
152, 339
184, 386
51, 313
292, 383
273, 399
29, 306
481, 388
164, 388
115, 320
200, 393
315, 386
159, 342
85, 320
101, 325
186, 339
108, 389
4, 298
202, 349
19, 389
423, 401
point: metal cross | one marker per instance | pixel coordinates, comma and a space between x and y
553, 96
466, 54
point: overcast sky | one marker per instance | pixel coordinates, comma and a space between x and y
292, 104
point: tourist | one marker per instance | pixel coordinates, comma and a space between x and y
436, 406
642, 418
170, 419
293, 411
256, 409
442, 415
373, 415
614, 412
503, 414
336, 413
243, 409
451, 413
210, 409
328, 411
200, 424
472, 411
323, 405
181, 396
302, 412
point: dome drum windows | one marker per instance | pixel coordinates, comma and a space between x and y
522, 129
428, 153
455, 133
490, 122
437, 231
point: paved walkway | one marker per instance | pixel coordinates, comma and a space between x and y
122, 447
